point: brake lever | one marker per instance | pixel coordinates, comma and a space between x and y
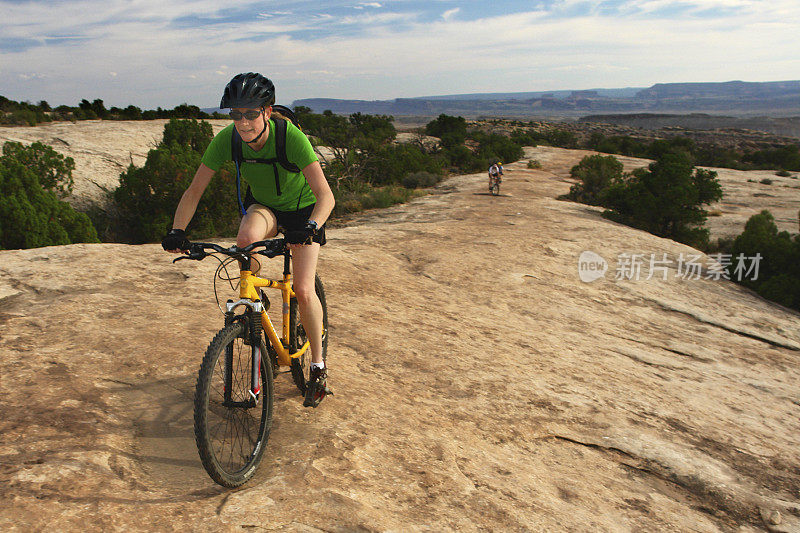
193, 254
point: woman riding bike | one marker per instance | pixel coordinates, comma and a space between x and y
296, 203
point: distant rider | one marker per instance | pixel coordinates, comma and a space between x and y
495, 173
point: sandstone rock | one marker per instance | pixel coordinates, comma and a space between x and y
480, 384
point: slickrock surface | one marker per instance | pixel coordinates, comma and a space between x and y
480, 384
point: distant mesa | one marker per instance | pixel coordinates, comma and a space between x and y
734, 98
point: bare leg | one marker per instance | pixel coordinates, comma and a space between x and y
304, 267
258, 224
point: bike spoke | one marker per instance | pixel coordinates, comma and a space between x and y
234, 431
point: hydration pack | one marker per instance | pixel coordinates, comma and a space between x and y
280, 158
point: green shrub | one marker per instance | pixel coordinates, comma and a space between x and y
785, 157
596, 173
783, 173
31, 216
53, 170
524, 137
534, 164
147, 197
778, 277
723, 245
351, 201
188, 134
420, 180
451, 130
493, 147
665, 199
766, 181
390, 163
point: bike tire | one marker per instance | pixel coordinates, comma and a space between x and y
232, 464
301, 366
495, 188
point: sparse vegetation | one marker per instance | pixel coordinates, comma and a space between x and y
366, 197
785, 157
549, 136
420, 180
368, 169
466, 149
534, 164
766, 181
27, 114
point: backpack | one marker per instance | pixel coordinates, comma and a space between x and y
280, 158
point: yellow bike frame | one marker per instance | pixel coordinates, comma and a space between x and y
248, 283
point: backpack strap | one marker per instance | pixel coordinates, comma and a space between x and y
281, 126
236, 156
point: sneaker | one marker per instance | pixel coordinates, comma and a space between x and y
317, 387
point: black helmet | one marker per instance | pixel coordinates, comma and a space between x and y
251, 90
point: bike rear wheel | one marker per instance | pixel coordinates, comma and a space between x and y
232, 427
495, 187
301, 366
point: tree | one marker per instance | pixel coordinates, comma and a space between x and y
353, 141
189, 134
147, 196
53, 170
31, 216
95, 109
131, 113
596, 173
665, 199
778, 277
451, 130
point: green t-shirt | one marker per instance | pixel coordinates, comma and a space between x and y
295, 191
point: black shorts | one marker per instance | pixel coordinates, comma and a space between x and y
290, 220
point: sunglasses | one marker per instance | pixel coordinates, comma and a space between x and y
249, 115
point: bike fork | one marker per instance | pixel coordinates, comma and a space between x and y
255, 363
254, 333
255, 385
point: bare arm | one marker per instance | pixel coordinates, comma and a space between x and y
191, 197
321, 189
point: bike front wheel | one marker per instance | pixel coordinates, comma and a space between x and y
232, 418
301, 366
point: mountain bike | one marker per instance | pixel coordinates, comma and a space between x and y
234, 393
494, 184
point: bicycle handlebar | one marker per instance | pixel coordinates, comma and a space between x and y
273, 248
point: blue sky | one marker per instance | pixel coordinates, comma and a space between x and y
156, 53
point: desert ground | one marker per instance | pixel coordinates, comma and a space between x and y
479, 383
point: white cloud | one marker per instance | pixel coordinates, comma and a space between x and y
385, 54
447, 15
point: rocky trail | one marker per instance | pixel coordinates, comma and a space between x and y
480, 384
